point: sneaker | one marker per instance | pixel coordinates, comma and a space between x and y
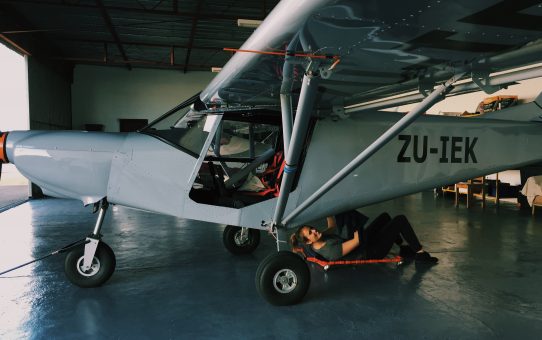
425, 257
406, 252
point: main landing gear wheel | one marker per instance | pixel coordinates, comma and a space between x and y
103, 266
239, 241
283, 278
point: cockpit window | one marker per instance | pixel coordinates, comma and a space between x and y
244, 140
183, 127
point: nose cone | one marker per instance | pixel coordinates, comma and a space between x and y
69, 164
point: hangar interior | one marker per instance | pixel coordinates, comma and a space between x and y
94, 64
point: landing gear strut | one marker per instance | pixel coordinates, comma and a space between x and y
93, 264
284, 278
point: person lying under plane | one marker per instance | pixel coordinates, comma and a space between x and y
343, 240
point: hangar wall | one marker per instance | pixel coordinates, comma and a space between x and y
49, 95
103, 95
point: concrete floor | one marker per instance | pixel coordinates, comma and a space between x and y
11, 195
174, 279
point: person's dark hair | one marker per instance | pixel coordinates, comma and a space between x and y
297, 239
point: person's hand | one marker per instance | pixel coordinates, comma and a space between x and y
356, 235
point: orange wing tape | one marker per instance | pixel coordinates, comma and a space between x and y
283, 54
3, 156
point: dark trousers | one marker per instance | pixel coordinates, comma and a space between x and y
384, 231
350, 229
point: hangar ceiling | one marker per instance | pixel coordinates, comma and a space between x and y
181, 34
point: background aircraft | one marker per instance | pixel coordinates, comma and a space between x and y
290, 131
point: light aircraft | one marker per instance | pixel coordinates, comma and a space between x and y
308, 87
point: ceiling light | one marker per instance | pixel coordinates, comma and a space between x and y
216, 69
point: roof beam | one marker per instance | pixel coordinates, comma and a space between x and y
13, 23
14, 45
192, 35
204, 15
135, 43
143, 63
113, 31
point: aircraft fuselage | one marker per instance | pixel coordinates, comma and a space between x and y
143, 172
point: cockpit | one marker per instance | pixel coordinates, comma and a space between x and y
243, 158
242, 163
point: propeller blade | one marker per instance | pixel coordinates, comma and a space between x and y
3, 158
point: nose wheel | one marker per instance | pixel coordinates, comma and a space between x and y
101, 269
93, 263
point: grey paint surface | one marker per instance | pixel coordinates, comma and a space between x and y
149, 174
496, 145
174, 279
69, 164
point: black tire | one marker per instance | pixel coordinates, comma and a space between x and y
235, 245
103, 266
283, 278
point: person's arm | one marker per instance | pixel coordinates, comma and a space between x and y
331, 223
351, 244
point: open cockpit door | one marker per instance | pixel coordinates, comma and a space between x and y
242, 162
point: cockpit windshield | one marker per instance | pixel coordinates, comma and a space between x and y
183, 126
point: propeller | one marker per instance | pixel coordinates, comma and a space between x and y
3, 157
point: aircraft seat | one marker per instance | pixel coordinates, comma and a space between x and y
212, 188
235, 179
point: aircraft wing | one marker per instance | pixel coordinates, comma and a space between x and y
368, 50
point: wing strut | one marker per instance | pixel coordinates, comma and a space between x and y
286, 93
309, 89
437, 95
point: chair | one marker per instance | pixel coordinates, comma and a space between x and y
537, 202
448, 188
497, 185
475, 187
